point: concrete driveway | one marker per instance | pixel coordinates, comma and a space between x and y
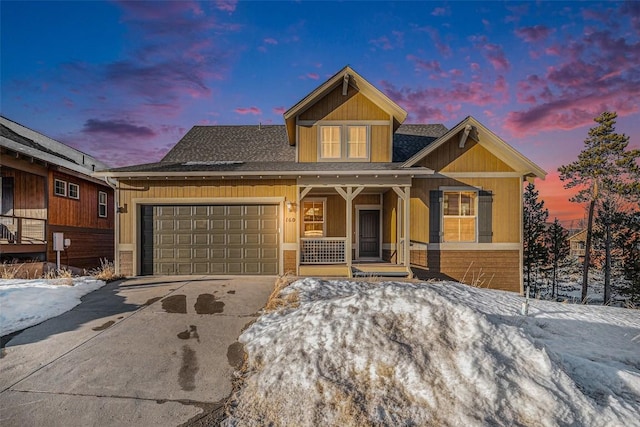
152, 351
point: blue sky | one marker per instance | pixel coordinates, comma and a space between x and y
126, 80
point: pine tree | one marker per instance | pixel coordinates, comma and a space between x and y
534, 222
604, 168
557, 241
627, 239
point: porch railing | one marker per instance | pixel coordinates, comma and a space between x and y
326, 250
22, 230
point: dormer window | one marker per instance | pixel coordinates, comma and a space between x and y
343, 143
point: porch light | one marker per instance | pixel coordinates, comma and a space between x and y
290, 205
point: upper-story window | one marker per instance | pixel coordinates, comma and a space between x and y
344, 143
102, 204
74, 191
60, 187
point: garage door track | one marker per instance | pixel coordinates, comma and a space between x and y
155, 351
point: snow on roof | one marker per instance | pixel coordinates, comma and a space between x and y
358, 353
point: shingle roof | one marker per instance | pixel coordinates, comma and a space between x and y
233, 143
23, 140
266, 148
409, 139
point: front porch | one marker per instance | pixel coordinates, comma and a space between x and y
345, 230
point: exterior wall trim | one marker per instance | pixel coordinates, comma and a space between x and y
474, 246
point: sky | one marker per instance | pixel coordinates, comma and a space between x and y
124, 81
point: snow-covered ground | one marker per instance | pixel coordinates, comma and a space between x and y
388, 353
25, 303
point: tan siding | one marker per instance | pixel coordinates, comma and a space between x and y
366, 199
449, 157
380, 143
487, 269
506, 205
208, 191
389, 218
308, 147
353, 106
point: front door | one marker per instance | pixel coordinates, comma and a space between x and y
369, 234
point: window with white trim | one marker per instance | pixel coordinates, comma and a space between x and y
74, 191
459, 212
343, 142
59, 187
313, 218
357, 142
102, 204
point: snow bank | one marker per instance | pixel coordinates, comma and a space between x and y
25, 303
357, 353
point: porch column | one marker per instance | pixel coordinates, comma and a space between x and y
403, 225
349, 193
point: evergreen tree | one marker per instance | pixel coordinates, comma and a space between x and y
557, 241
534, 222
627, 239
604, 168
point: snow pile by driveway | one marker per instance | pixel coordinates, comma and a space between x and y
25, 303
357, 353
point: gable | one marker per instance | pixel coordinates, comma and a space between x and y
449, 157
336, 106
470, 131
344, 81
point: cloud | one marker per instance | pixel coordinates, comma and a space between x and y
117, 128
279, 110
420, 64
533, 34
226, 5
386, 43
248, 110
496, 57
270, 40
441, 46
443, 103
595, 73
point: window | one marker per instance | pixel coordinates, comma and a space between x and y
60, 187
313, 218
357, 142
459, 216
330, 142
74, 191
102, 204
344, 142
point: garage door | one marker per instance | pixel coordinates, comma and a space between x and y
232, 239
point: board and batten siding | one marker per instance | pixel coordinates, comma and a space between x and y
29, 193
83, 212
206, 192
506, 211
449, 157
355, 108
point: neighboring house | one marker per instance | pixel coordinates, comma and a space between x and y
578, 244
47, 188
343, 188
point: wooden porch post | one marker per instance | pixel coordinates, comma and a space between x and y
349, 193
407, 228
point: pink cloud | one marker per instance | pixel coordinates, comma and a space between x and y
442, 103
313, 76
385, 43
249, 110
420, 64
533, 34
442, 47
226, 5
496, 57
279, 110
270, 40
595, 74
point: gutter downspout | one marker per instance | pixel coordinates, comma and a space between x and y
116, 223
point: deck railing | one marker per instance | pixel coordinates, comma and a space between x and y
22, 230
326, 250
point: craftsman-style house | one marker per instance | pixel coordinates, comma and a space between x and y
343, 188
47, 188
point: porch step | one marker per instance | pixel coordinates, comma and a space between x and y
356, 272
